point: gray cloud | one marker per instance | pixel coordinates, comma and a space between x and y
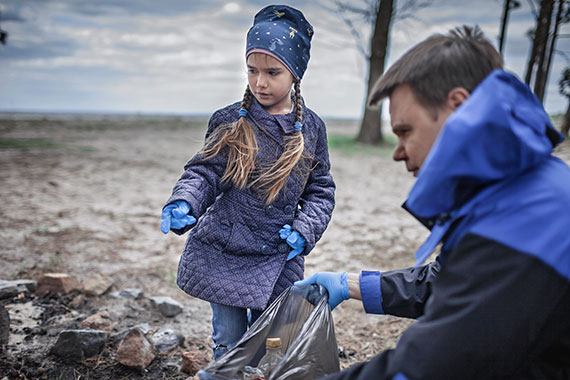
36, 50
188, 56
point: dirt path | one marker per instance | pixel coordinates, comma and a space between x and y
84, 196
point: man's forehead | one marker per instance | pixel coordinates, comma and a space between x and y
400, 100
404, 92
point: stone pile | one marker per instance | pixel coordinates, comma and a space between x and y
136, 346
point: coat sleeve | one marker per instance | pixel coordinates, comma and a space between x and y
317, 199
200, 182
402, 292
492, 313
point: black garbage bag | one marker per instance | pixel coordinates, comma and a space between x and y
301, 317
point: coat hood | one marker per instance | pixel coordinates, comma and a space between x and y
500, 131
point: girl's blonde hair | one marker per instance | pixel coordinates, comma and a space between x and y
240, 139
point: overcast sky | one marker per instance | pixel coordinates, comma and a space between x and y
187, 56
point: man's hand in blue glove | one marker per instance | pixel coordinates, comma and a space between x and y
176, 216
294, 239
335, 283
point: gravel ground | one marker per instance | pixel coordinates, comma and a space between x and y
83, 194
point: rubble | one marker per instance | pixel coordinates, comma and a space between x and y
10, 289
56, 283
59, 330
97, 284
193, 361
167, 306
127, 293
4, 326
135, 351
166, 339
98, 321
79, 344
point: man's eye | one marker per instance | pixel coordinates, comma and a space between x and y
251, 71
403, 132
273, 73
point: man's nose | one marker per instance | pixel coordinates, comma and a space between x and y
399, 152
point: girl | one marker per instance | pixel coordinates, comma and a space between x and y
260, 188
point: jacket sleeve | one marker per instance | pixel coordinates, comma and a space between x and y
493, 310
402, 292
200, 182
317, 199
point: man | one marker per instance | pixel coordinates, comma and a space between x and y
496, 302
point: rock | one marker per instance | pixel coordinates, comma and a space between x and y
166, 339
56, 282
97, 285
79, 344
167, 306
135, 351
193, 361
143, 327
99, 321
77, 301
4, 326
128, 293
26, 284
9, 289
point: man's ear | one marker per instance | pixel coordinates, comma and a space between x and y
456, 97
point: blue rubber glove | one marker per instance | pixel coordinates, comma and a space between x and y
294, 239
176, 216
335, 283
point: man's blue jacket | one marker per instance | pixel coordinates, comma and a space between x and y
496, 303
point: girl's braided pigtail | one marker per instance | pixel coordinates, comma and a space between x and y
275, 178
240, 139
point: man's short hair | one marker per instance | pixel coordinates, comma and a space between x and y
461, 58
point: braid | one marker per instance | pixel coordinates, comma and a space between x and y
241, 142
246, 102
298, 103
239, 137
275, 178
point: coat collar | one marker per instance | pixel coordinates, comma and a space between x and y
286, 122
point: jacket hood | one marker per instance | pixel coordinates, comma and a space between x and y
500, 131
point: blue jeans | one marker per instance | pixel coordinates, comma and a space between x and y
229, 324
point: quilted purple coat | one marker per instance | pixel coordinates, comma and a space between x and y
234, 254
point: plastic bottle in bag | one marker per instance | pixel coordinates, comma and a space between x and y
250, 373
272, 357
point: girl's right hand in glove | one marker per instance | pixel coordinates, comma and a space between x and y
176, 216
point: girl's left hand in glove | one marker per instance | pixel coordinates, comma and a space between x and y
294, 239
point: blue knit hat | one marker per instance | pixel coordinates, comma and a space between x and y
284, 32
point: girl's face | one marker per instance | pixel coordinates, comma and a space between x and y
270, 82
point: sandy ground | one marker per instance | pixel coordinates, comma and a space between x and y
83, 195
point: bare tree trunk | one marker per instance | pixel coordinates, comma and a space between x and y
371, 127
531, 61
542, 39
539, 39
540, 84
565, 127
504, 22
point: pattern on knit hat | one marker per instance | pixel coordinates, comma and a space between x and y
285, 32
